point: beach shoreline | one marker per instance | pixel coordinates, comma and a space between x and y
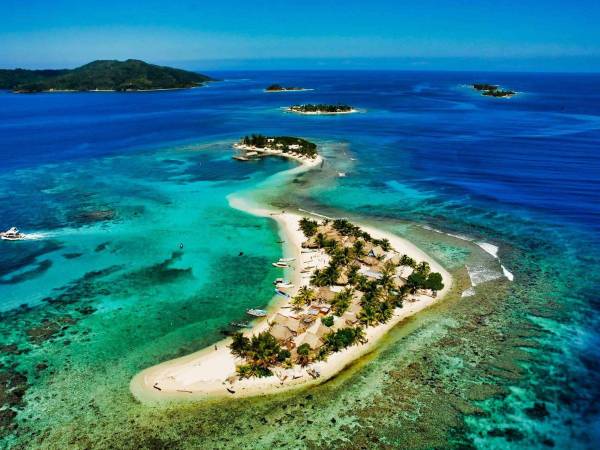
208, 373
321, 113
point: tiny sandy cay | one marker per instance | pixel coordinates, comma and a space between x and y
344, 287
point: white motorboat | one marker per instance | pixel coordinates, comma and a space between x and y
280, 264
256, 312
13, 234
286, 260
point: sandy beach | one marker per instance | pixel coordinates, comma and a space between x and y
321, 113
209, 373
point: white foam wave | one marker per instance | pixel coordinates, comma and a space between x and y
469, 292
482, 274
507, 273
489, 248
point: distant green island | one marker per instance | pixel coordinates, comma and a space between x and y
280, 88
321, 109
492, 90
101, 75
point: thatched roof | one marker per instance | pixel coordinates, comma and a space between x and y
291, 323
377, 252
370, 261
281, 333
325, 294
342, 280
312, 340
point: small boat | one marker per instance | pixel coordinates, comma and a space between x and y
239, 324
279, 281
280, 292
12, 235
231, 391
341, 174
287, 285
256, 312
241, 158
280, 264
286, 259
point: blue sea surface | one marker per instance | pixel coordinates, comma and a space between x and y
115, 182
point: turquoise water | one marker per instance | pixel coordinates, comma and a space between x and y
112, 184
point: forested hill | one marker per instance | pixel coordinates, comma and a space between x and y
129, 75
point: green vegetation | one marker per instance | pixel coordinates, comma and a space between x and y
372, 289
286, 144
278, 88
380, 295
321, 108
130, 75
423, 278
327, 321
261, 352
492, 90
304, 297
308, 227
343, 338
341, 301
303, 355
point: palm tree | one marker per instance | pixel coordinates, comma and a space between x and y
341, 301
321, 240
305, 296
385, 244
239, 345
385, 312
406, 260
423, 267
359, 248
387, 275
368, 315
303, 355
360, 335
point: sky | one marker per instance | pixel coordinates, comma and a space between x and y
549, 35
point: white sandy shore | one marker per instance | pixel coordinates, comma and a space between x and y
205, 374
305, 161
289, 90
321, 113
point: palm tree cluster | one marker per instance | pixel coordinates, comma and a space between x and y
308, 226
341, 339
303, 298
261, 352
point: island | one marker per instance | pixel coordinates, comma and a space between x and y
280, 88
344, 286
492, 90
101, 75
257, 145
322, 109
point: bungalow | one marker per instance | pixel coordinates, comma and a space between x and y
370, 273
291, 323
394, 258
325, 295
376, 252
281, 333
312, 340
319, 330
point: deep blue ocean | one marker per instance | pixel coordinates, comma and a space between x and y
425, 150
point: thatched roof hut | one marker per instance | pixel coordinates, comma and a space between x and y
281, 333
